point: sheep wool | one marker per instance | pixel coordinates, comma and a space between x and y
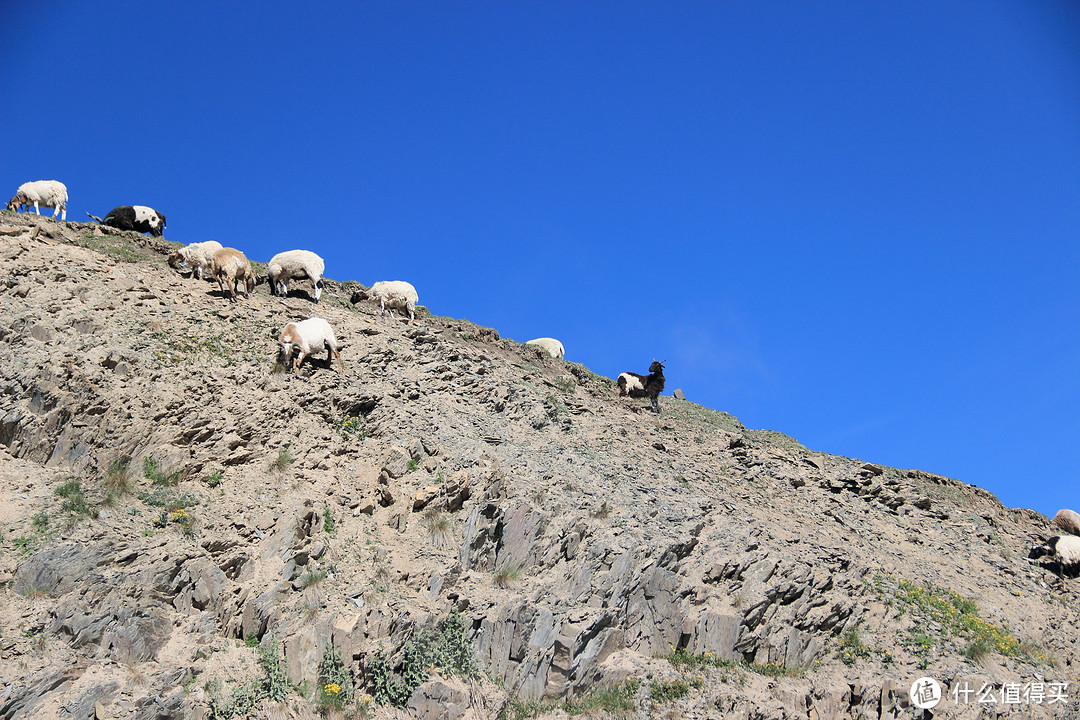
50, 193
649, 386
1067, 549
295, 265
229, 267
391, 294
139, 218
554, 347
1068, 521
196, 256
306, 337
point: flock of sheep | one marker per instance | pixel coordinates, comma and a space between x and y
230, 268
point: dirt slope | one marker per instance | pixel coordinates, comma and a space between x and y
579, 537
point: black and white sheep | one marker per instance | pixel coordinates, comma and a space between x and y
1068, 520
50, 193
391, 294
300, 339
1062, 550
649, 386
134, 217
554, 347
229, 267
295, 265
197, 256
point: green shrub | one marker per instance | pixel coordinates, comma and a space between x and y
283, 460
118, 476
153, 472
335, 681
445, 647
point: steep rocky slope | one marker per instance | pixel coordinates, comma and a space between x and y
700, 568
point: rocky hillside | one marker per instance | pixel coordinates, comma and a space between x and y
456, 526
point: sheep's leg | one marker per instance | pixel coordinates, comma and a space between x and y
335, 351
36, 210
63, 214
296, 363
318, 291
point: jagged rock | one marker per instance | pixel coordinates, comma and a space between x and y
439, 699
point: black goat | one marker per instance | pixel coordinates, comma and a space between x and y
649, 386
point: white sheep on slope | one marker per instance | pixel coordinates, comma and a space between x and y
391, 294
305, 337
295, 265
50, 193
196, 256
1062, 549
1068, 520
554, 347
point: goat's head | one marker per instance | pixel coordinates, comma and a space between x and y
656, 367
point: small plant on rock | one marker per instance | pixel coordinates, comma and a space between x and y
153, 472
439, 527
283, 460
506, 576
335, 681
118, 475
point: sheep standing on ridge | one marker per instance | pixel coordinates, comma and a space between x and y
139, 218
50, 193
554, 347
306, 337
295, 265
229, 267
196, 256
1064, 550
649, 386
1068, 520
391, 294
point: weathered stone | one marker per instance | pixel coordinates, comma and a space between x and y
439, 699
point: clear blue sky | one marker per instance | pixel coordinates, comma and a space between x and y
852, 222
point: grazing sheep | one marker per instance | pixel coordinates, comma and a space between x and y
391, 294
134, 217
196, 256
1064, 550
649, 386
1068, 520
553, 346
50, 193
295, 265
229, 267
306, 337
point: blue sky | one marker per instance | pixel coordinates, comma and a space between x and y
852, 222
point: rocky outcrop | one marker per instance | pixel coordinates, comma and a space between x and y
447, 469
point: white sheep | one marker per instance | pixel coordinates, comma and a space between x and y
50, 193
306, 337
1062, 549
554, 347
391, 294
229, 267
1068, 520
197, 256
295, 265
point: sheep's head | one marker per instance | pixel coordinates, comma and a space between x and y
15, 202
286, 351
175, 259
358, 296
